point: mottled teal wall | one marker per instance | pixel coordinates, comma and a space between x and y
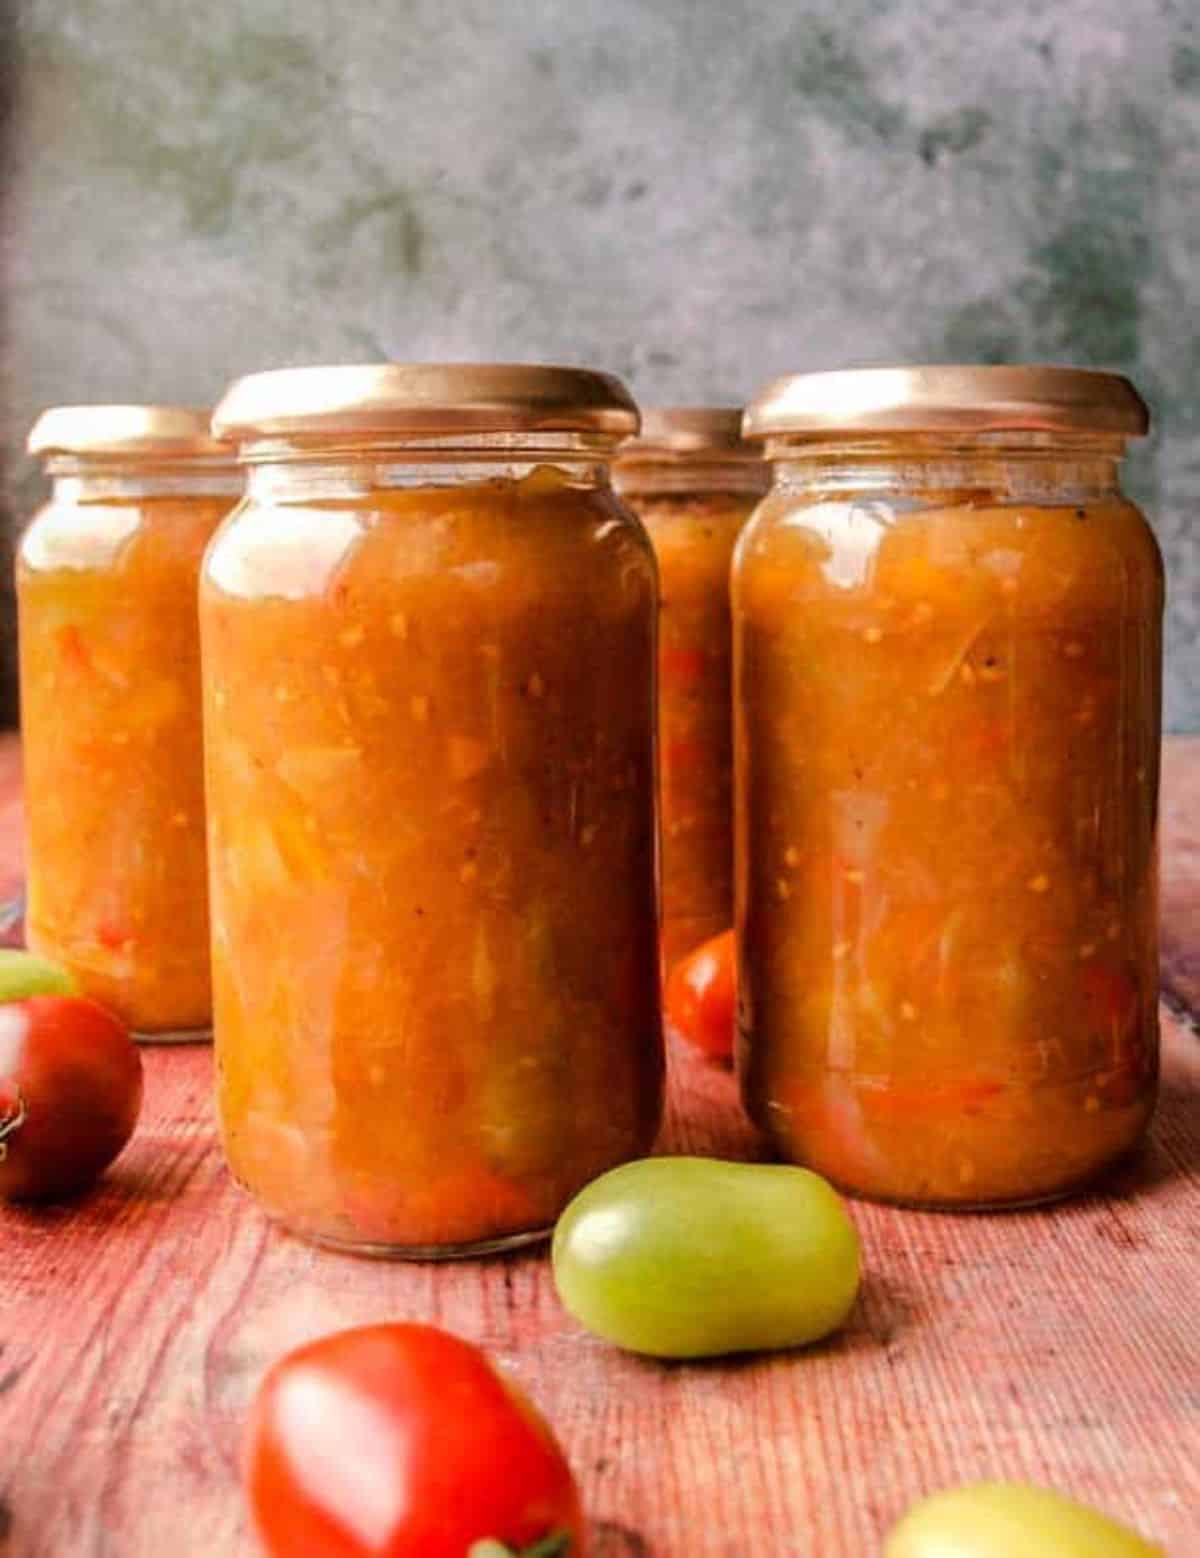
698, 195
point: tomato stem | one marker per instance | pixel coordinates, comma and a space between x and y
11, 1121
556, 1545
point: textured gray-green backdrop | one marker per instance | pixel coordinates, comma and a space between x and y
696, 193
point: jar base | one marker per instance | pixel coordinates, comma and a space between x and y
173, 1036
417, 1252
966, 1208
1093, 1181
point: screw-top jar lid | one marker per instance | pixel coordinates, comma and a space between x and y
680, 432
151, 432
412, 399
940, 399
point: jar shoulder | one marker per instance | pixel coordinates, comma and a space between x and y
100, 537
483, 538
1040, 551
77, 536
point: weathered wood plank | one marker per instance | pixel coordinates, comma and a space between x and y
1061, 1345
1181, 877
12, 821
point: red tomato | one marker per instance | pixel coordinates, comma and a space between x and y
402, 1441
701, 996
70, 1092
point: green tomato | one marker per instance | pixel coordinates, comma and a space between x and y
692, 1258
23, 974
998, 1519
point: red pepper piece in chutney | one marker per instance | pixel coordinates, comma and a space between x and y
113, 935
74, 650
683, 667
930, 1100
1110, 998
1112, 1003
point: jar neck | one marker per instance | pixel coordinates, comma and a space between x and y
75, 479
690, 475
281, 472
1056, 466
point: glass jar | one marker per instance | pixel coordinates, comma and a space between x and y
693, 483
429, 709
110, 696
948, 662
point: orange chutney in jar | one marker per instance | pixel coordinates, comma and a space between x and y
110, 697
429, 705
693, 483
948, 663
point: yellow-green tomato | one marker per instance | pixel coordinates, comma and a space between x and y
1001, 1519
692, 1257
23, 974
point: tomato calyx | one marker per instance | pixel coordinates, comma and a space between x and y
12, 1118
556, 1545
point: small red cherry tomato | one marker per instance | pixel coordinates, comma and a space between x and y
403, 1441
701, 996
70, 1092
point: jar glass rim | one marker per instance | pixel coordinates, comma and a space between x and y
671, 433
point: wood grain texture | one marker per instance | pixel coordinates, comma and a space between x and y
1181, 878
1060, 1345
12, 821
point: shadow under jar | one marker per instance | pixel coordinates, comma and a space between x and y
110, 697
429, 713
693, 483
947, 671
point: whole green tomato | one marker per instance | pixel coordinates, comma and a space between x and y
24, 974
692, 1257
1000, 1519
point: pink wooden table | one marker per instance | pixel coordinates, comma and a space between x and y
1060, 1345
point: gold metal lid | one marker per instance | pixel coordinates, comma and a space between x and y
941, 399
679, 432
302, 404
151, 432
